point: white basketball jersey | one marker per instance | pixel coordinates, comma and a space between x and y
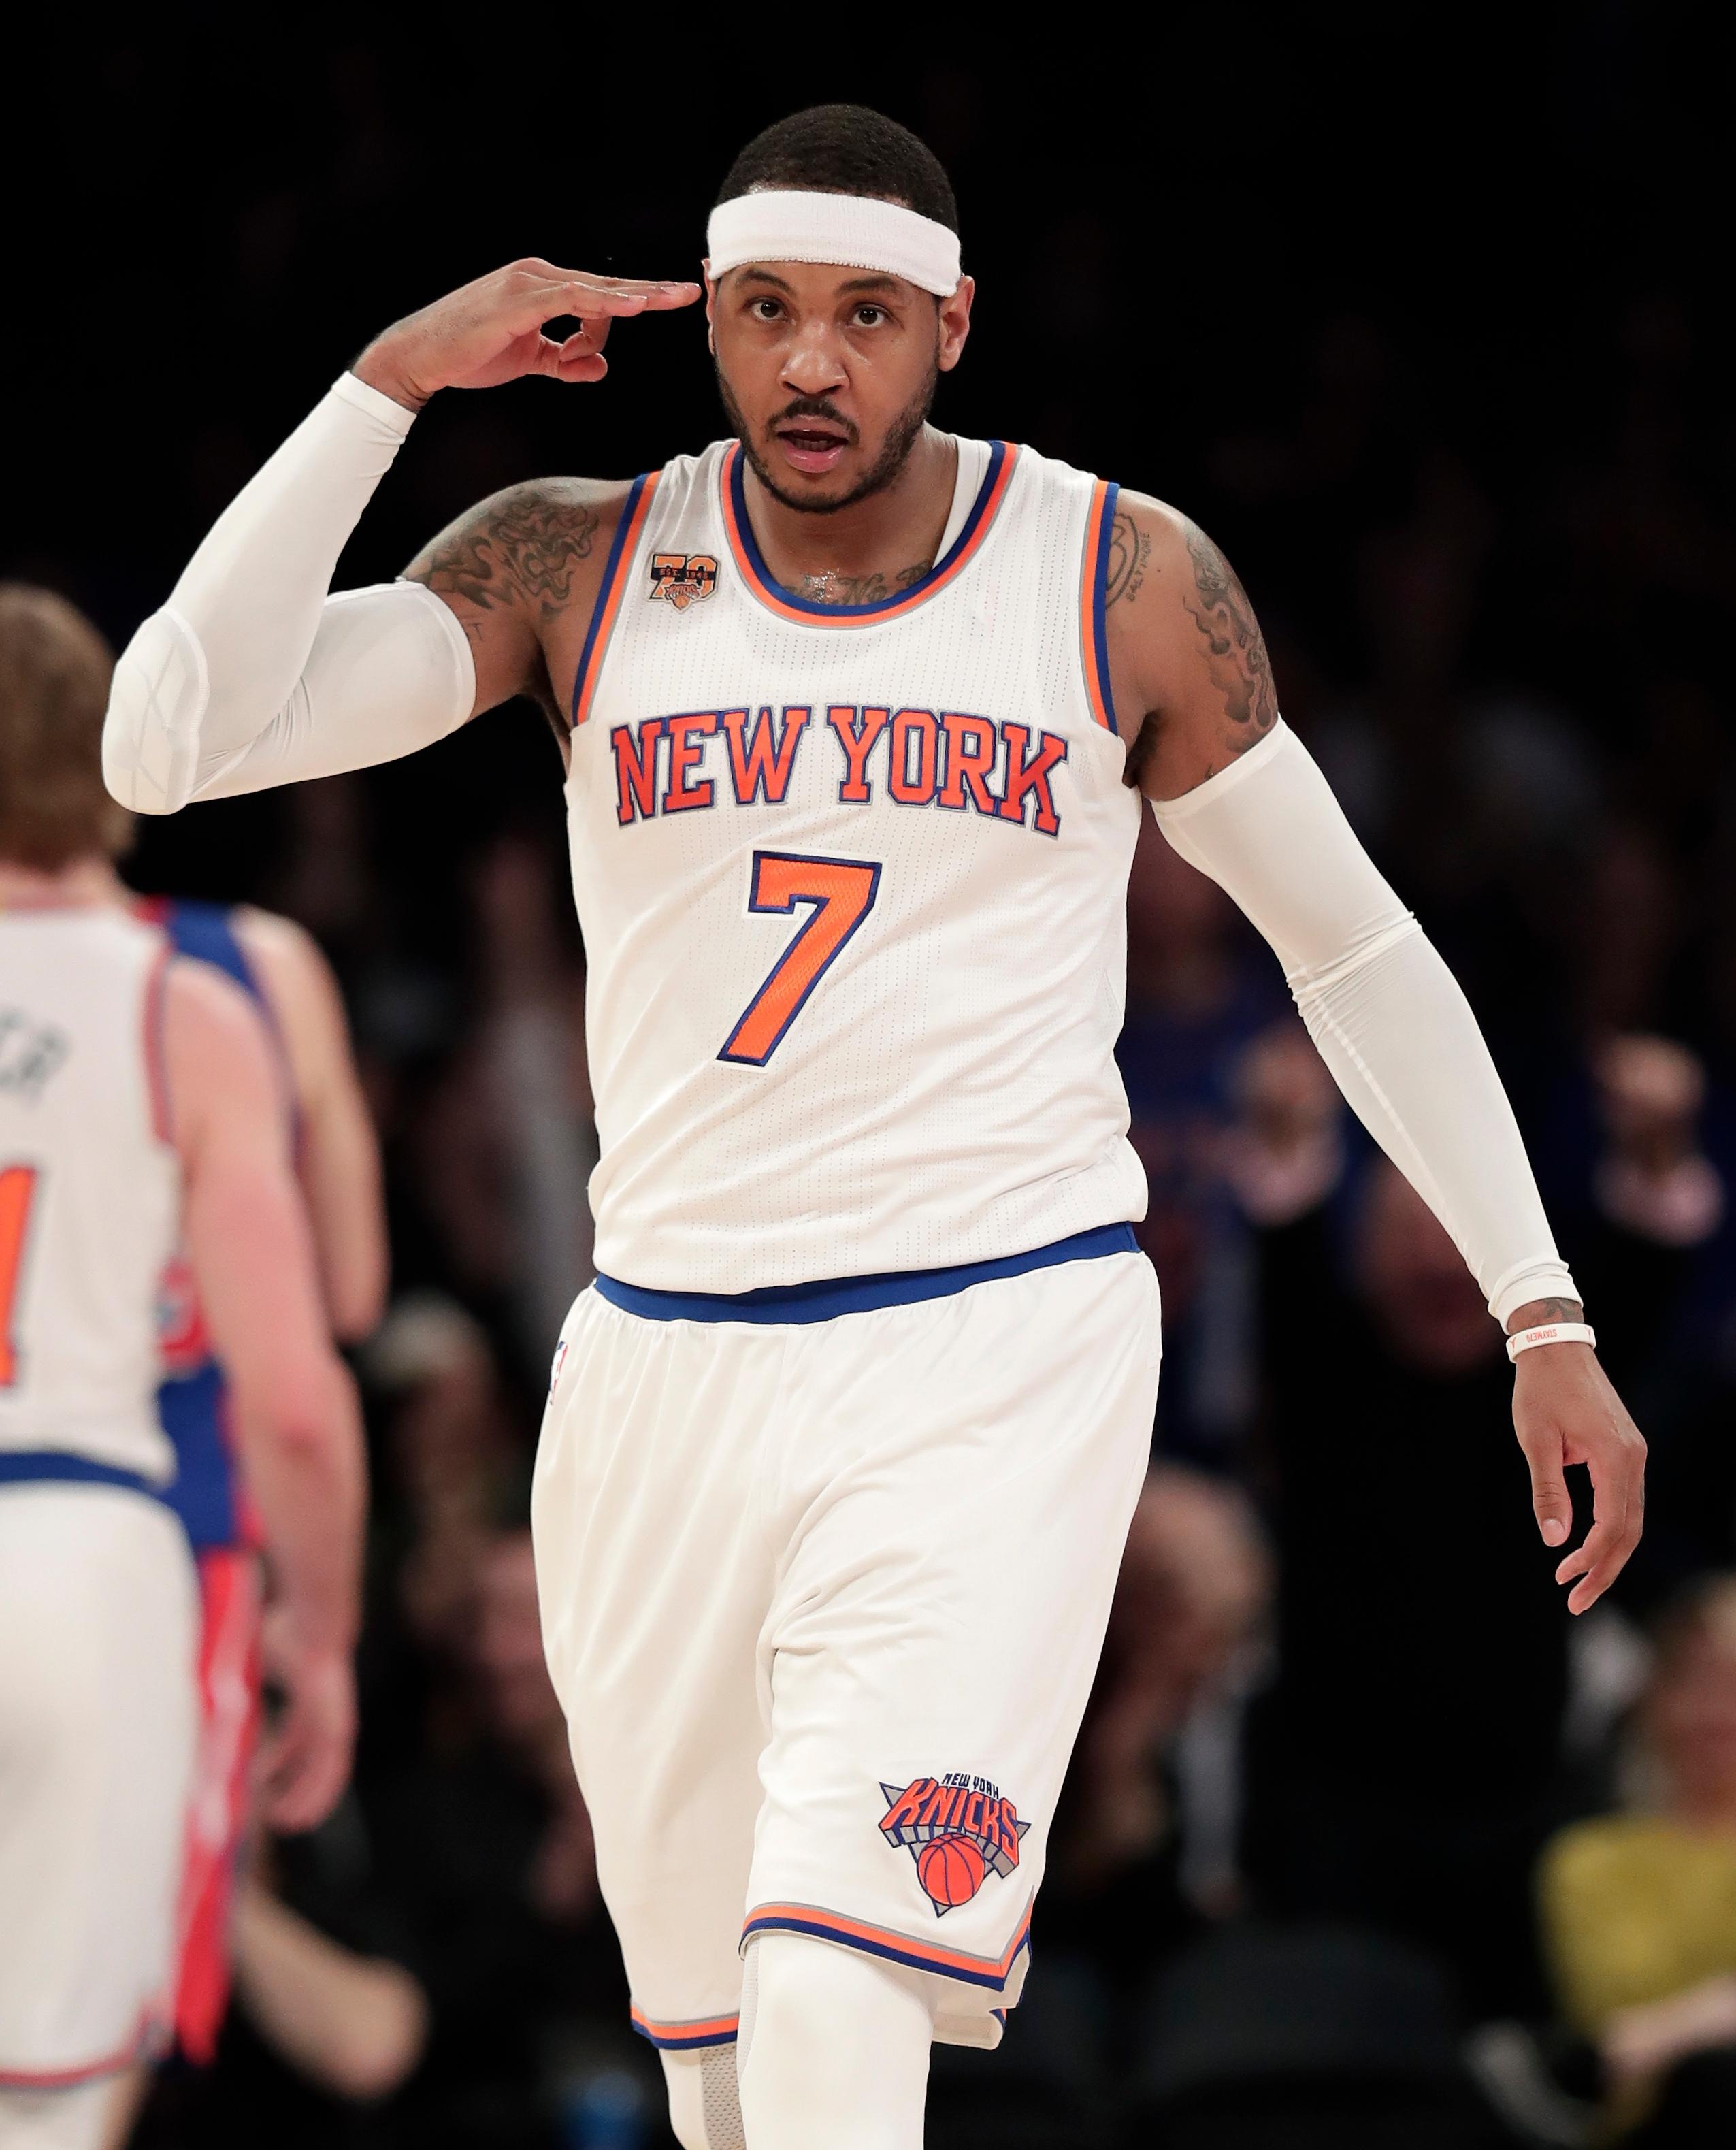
852, 881
89, 1187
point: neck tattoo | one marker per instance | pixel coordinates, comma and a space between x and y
832, 588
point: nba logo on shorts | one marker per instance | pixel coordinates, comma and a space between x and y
682, 578
958, 1829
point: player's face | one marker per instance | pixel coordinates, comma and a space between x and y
828, 374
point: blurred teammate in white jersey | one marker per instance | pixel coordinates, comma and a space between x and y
843, 1444
139, 1108
337, 1166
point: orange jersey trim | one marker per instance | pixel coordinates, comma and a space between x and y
744, 550
885, 1941
608, 609
156, 1060
708, 2030
1093, 637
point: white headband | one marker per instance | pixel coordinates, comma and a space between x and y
853, 231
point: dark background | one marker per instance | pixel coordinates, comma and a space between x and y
1325, 283
1302, 277
1430, 326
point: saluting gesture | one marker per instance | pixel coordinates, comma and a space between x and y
491, 331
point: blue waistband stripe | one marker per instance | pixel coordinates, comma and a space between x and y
60, 1466
825, 1299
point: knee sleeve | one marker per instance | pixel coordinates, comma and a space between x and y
704, 2110
833, 2047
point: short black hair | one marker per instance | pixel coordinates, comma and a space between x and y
845, 149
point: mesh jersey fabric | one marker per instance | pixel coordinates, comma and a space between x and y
852, 884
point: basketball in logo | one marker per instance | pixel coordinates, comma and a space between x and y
683, 579
950, 1870
958, 1829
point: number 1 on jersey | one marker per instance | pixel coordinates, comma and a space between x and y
17, 1185
842, 892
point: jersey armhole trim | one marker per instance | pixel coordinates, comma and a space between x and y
1093, 593
156, 1060
607, 609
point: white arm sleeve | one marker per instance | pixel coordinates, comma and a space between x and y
250, 674
390, 671
1386, 1014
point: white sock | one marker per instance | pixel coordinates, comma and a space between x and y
834, 2048
74, 2119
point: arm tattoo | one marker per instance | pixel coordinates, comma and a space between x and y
1129, 555
836, 589
1538, 1312
1236, 649
518, 549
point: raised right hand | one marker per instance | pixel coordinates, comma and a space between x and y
491, 331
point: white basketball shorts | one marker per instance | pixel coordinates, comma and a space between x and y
825, 1576
98, 1603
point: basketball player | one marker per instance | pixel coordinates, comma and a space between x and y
843, 1443
337, 1165
138, 1109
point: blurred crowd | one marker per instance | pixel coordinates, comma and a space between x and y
1365, 1843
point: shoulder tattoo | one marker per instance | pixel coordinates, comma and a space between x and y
1129, 555
1235, 648
519, 549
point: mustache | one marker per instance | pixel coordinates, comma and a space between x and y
814, 406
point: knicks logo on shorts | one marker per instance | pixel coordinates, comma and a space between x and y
682, 578
958, 1829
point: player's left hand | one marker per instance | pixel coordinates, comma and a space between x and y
1565, 1411
305, 1757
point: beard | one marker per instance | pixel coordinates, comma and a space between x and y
894, 450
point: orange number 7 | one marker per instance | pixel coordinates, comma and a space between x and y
842, 892
17, 1185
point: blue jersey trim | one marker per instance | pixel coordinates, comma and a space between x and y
205, 1493
206, 931
1099, 627
682, 2041
898, 600
59, 1466
611, 569
826, 1298
914, 1958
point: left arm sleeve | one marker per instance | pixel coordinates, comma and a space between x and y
1385, 1013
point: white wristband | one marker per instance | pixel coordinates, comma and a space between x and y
1551, 1332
